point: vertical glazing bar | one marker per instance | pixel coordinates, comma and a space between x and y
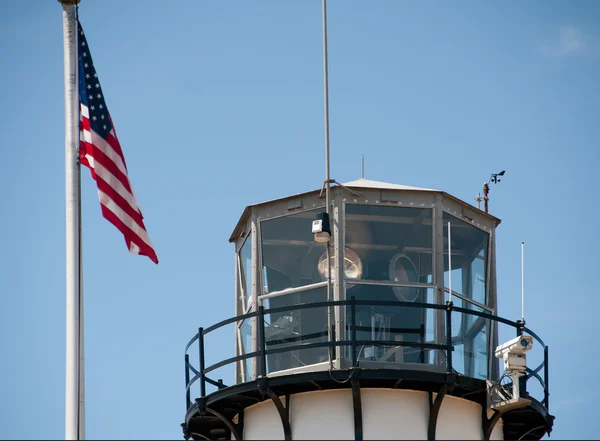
449, 347
546, 378
262, 365
353, 329
201, 355
438, 279
187, 381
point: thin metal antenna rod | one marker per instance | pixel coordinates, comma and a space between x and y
523, 281
362, 168
327, 176
326, 90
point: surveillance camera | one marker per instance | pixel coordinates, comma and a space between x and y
516, 346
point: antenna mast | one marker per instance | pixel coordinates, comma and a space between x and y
449, 264
326, 90
523, 281
362, 167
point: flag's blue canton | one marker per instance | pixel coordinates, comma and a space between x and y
90, 92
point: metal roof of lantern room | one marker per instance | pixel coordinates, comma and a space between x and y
358, 184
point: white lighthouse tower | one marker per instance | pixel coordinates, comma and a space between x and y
401, 341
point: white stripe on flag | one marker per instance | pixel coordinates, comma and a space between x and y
116, 184
105, 148
87, 136
124, 217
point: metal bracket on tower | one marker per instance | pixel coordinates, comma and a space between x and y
489, 423
333, 181
357, 405
239, 426
284, 412
232, 428
500, 399
434, 410
201, 409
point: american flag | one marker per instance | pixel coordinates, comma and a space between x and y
99, 149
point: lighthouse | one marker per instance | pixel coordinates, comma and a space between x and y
375, 317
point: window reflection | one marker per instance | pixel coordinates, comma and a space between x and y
245, 330
393, 243
469, 263
394, 324
469, 338
296, 327
246, 269
469, 256
289, 252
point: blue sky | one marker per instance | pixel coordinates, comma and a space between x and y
219, 104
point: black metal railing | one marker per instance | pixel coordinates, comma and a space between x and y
447, 348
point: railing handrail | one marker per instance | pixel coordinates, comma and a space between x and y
352, 342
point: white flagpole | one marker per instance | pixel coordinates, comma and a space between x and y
81, 372
74, 313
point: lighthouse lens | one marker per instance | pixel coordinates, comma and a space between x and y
352, 266
402, 270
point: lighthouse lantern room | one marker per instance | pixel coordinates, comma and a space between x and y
382, 323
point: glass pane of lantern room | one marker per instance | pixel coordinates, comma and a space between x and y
290, 330
469, 259
469, 265
393, 243
290, 254
290, 259
246, 271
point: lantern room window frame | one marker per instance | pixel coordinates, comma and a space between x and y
438, 202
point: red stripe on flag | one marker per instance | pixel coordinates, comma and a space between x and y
114, 143
120, 201
108, 164
130, 236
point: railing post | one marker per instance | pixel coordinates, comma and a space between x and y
187, 382
422, 350
331, 332
262, 364
546, 378
201, 355
449, 348
522, 379
353, 330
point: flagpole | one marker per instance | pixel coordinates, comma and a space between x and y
81, 369
74, 313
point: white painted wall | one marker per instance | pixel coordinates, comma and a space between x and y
394, 414
327, 414
387, 414
262, 421
459, 419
